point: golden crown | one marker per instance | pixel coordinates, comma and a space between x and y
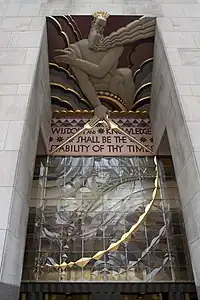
102, 14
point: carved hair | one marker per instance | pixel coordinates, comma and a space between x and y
134, 31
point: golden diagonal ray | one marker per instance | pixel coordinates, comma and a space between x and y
82, 262
114, 126
89, 125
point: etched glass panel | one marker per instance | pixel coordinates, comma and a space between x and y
82, 205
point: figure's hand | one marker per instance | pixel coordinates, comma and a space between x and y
68, 57
101, 111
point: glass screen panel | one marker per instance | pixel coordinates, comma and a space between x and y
82, 205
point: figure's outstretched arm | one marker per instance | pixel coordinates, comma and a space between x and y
105, 65
73, 57
84, 81
90, 93
110, 58
86, 86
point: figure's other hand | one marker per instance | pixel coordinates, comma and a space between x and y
69, 55
101, 111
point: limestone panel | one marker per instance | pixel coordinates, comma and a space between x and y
10, 9
5, 38
190, 223
14, 24
8, 291
23, 223
188, 181
23, 89
193, 128
178, 39
174, 56
195, 250
12, 74
12, 56
180, 146
162, 90
14, 135
184, 90
31, 9
165, 24
37, 23
2, 242
28, 39
13, 107
13, 257
191, 107
196, 212
190, 56
197, 156
45, 113
185, 24
172, 11
8, 89
195, 90
15, 214
6, 201
23, 175
196, 36
186, 74
191, 10
150, 9
3, 133
31, 56
8, 159
11, 211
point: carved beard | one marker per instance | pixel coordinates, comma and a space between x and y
94, 38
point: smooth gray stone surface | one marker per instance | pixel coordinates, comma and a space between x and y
9, 292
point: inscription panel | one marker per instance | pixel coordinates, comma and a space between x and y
101, 140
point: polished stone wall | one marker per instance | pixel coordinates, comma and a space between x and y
174, 110
25, 107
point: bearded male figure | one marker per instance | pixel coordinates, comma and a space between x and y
94, 60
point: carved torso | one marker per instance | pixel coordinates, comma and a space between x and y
82, 49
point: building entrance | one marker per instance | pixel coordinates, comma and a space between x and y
107, 291
110, 296
88, 297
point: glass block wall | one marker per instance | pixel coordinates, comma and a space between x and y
81, 205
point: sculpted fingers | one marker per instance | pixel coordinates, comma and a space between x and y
63, 51
67, 51
60, 58
68, 55
70, 50
101, 111
94, 121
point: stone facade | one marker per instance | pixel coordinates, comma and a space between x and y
25, 108
175, 103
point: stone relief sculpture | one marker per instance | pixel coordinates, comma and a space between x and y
94, 61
